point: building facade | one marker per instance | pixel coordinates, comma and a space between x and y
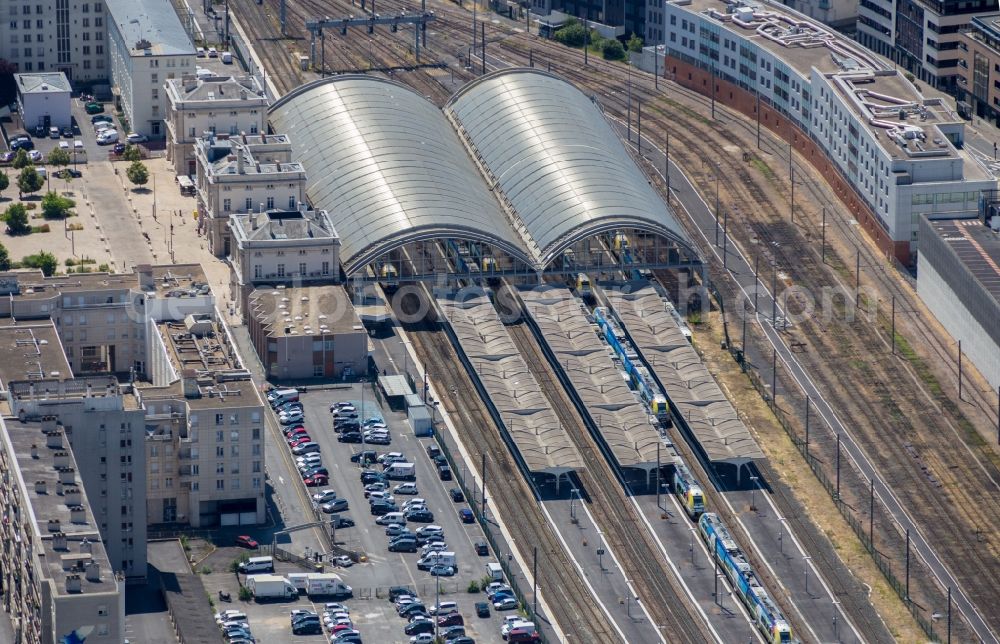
55, 576
244, 174
62, 36
217, 105
147, 47
980, 68
44, 99
896, 152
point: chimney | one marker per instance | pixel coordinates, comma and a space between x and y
53, 438
34, 451
302, 207
263, 137
61, 459
54, 526
67, 475
190, 383
253, 221
41, 487
239, 162
77, 514
59, 541
59, 489
243, 134
73, 496
93, 571
73, 584
145, 273
49, 424
86, 546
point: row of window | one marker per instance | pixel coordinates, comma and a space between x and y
258, 270
220, 484
944, 197
227, 204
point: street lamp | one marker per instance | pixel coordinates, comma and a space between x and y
805, 571
753, 493
781, 532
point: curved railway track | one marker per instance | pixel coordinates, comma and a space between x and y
576, 611
613, 511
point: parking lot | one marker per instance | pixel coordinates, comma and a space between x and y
371, 612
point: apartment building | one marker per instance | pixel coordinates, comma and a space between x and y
295, 247
214, 104
56, 579
60, 36
244, 174
892, 154
980, 68
307, 332
147, 47
923, 36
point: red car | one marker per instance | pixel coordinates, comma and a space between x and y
294, 435
298, 429
295, 441
316, 480
243, 541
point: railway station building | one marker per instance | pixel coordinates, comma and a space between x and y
891, 154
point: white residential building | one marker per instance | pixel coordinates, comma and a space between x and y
243, 174
56, 35
44, 99
147, 47
899, 152
216, 104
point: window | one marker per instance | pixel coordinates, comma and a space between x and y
220, 451
317, 370
85, 22
326, 268
220, 484
235, 485
168, 482
256, 449
258, 273
281, 270
98, 22
270, 203
219, 419
291, 202
220, 468
302, 268
227, 204
156, 93
256, 482
256, 433
234, 450
256, 467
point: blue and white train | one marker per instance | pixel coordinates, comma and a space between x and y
688, 490
765, 613
643, 382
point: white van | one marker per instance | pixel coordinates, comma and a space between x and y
494, 571
390, 518
226, 58
281, 396
432, 559
256, 565
443, 608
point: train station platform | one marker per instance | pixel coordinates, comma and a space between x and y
526, 414
603, 388
656, 335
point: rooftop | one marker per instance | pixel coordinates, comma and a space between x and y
280, 225
976, 247
59, 508
150, 28
175, 280
212, 89
42, 83
31, 352
244, 155
308, 310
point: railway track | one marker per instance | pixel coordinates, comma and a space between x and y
576, 611
613, 511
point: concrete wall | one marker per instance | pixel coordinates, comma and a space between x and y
35, 106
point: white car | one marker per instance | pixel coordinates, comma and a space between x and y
107, 137
309, 458
405, 488
381, 496
35, 155
413, 503
423, 638
100, 126
344, 561
391, 457
324, 496
510, 623
213, 52
134, 137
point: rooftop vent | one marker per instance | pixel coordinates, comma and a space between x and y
143, 44
73, 584
77, 514
93, 571
53, 525
86, 546
61, 459
67, 475
41, 487
34, 451
59, 541
73, 496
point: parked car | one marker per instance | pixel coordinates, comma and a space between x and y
404, 543
444, 472
135, 137
466, 516
481, 548
422, 626
377, 486
316, 480
406, 489
336, 505
344, 561
349, 437
244, 541
505, 603
396, 530
456, 494
365, 457
324, 496
451, 619
433, 450
381, 496
343, 522
119, 148
482, 609
420, 516
396, 591
379, 439
313, 471
452, 633
107, 138
306, 448
414, 608
8, 156
93, 108
35, 156
378, 508
22, 144
101, 117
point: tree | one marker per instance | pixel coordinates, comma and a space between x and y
4, 181
21, 159
59, 157
55, 206
30, 181
43, 260
4, 258
137, 173
17, 219
612, 49
572, 34
132, 153
634, 43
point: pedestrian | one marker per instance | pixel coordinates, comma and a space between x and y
384, 372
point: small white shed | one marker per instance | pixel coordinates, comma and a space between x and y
44, 99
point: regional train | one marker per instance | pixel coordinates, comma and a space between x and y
688, 490
766, 615
649, 391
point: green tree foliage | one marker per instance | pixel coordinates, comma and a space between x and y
30, 181
4, 258
132, 153
55, 206
137, 173
43, 260
611, 49
572, 34
634, 43
17, 219
59, 157
4, 181
21, 159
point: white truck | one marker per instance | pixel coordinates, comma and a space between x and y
439, 558
401, 472
327, 584
266, 587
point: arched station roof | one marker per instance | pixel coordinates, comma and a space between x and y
556, 159
389, 168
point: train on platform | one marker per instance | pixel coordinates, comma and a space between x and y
689, 491
766, 615
654, 398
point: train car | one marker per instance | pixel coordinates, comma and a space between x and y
387, 271
688, 490
641, 380
457, 256
489, 264
583, 286
770, 621
621, 241
681, 323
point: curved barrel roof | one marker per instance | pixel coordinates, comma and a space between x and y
389, 168
556, 159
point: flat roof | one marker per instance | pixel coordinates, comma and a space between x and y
213, 89
50, 504
31, 351
42, 83
238, 155
175, 280
976, 247
531, 422
150, 26
305, 310
283, 225
395, 386
687, 381
590, 366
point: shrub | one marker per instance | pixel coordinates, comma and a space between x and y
70, 261
473, 587
205, 570
234, 565
44, 260
44, 228
245, 594
17, 219
572, 34
59, 157
103, 268
634, 43
132, 153
4, 258
4, 181
29, 180
137, 173
21, 160
55, 206
611, 49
